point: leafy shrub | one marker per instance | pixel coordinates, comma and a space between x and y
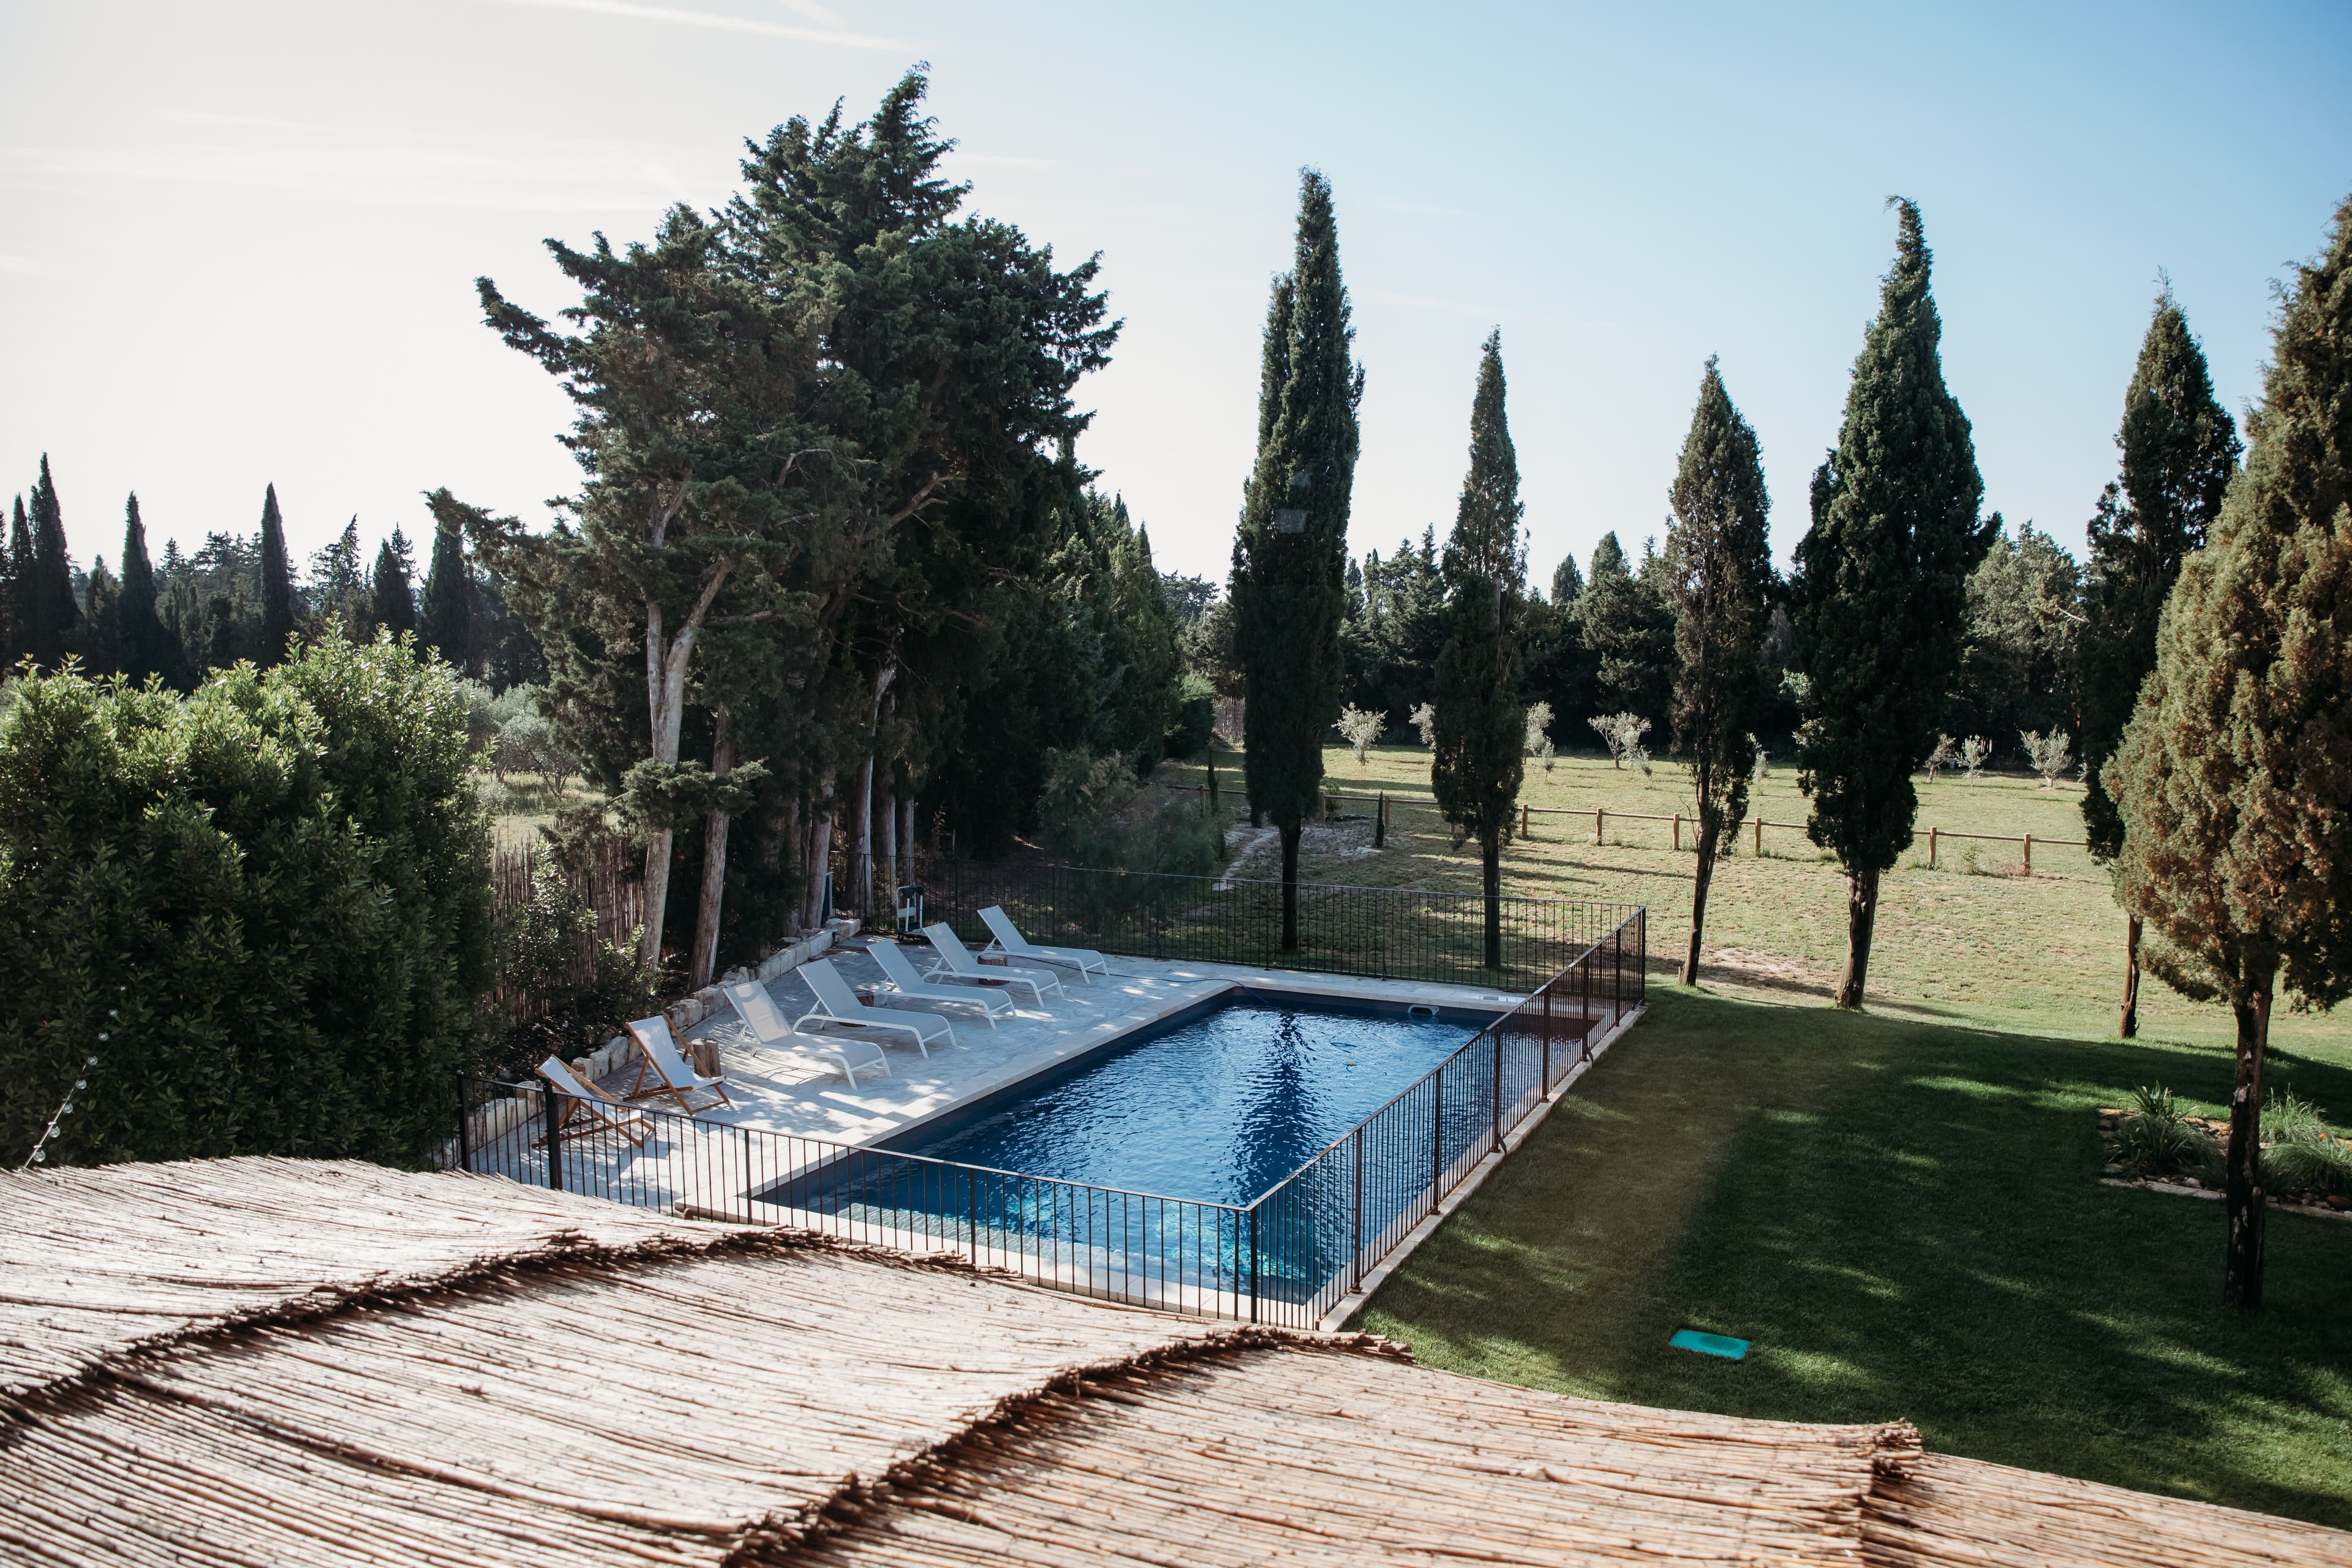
567, 991
2157, 1140
2286, 1120
1975, 751
1196, 715
1763, 768
2324, 1164
1947, 754
1424, 719
1094, 814
2050, 756
1538, 729
1360, 729
265, 906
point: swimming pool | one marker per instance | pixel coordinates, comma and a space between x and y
1215, 1108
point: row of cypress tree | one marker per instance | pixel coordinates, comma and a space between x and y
238, 598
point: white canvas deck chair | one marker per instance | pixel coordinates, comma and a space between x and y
905, 982
582, 1100
659, 1059
960, 965
1012, 944
838, 1004
769, 1027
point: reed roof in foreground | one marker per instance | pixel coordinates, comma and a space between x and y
259, 1361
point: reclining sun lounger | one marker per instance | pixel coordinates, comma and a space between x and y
958, 963
1009, 941
658, 1055
905, 982
585, 1100
769, 1027
837, 1003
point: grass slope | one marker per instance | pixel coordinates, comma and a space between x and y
1906, 1219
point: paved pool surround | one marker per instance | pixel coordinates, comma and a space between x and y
801, 1093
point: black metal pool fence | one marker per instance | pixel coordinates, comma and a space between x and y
1393, 933
1288, 1258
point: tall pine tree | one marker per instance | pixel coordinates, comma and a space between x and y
1719, 582
1628, 636
100, 638
1481, 754
446, 619
1879, 603
2234, 775
1290, 588
2180, 452
276, 584
15, 565
47, 595
148, 648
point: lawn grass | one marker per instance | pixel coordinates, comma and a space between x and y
1906, 1219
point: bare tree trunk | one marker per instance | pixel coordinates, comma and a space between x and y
820, 861
861, 839
1861, 917
1698, 902
1290, 888
2242, 1268
907, 827
715, 824
2128, 1026
1490, 851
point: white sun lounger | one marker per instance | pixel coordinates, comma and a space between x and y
837, 1003
769, 1028
1012, 944
958, 963
905, 982
658, 1055
586, 1100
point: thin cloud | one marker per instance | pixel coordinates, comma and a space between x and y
814, 13
717, 20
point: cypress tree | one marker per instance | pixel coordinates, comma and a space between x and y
1288, 584
446, 620
1879, 603
391, 604
50, 613
1719, 583
1481, 755
16, 560
2234, 775
1628, 632
148, 648
2180, 452
1567, 583
100, 641
276, 584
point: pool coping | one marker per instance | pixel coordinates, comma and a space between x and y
1394, 1259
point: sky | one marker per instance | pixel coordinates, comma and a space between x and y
238, 240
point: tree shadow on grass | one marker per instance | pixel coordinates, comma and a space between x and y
1907, 1220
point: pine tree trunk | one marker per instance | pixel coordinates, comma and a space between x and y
1861, 917
820, 862
1490, 852
715, 824
907, 831
1290, 887
1698, 902
886, 802
861, 838
656, 896
2128, 1026
2241, 1270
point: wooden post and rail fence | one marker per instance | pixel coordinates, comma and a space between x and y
1382, 803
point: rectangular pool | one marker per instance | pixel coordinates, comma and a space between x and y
1215, 1107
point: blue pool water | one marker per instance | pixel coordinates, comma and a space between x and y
1217, 1110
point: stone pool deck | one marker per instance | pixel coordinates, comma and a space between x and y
804, 1094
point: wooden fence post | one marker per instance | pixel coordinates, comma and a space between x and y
1523, 819
1596, 823
1759, 837
1931, 849
2029, 854
1678, 830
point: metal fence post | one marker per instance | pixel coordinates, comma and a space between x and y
1437, 1133
1358, 1231
1547, 1038
1617, 975
464, 1129
1252, 1214
548, 1096
1497, 1112
1642, 952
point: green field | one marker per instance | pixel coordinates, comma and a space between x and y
1973, 941
1907, 1220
